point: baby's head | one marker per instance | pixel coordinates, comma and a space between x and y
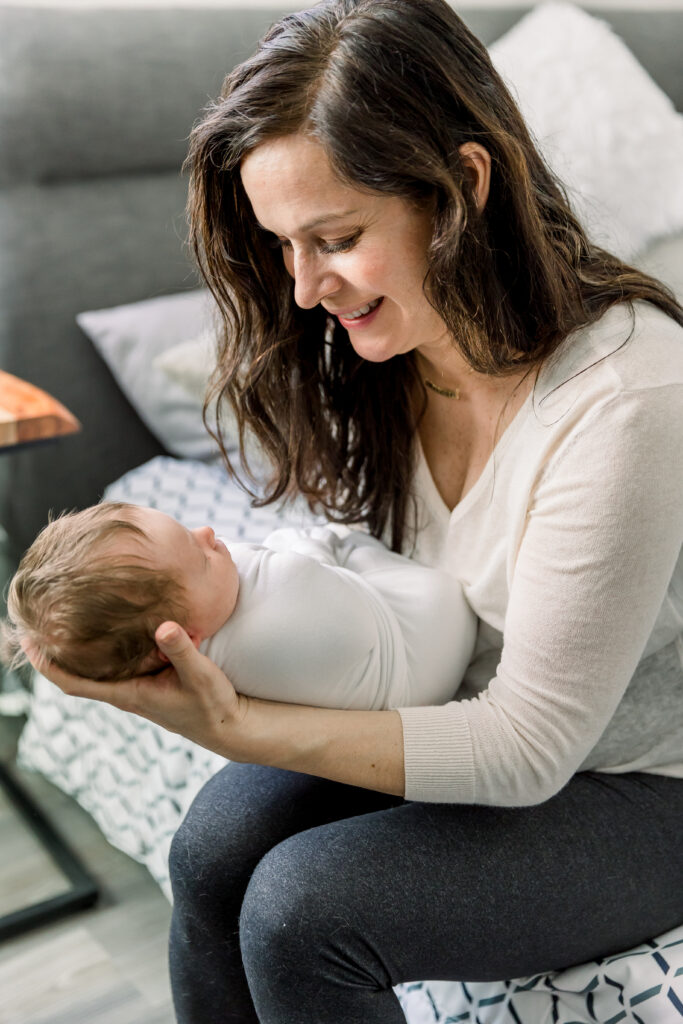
95, 585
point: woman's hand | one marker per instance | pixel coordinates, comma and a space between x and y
192, 696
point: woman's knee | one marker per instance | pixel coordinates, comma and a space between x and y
277, 906
300, 918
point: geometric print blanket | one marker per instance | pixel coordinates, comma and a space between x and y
137, 781
641, 986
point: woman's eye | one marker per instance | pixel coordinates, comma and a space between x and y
327, 248
343, 246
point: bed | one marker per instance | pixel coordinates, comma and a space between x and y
100, 305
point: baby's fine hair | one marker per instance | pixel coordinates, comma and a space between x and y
82, 606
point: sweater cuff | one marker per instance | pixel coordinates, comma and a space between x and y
437, 748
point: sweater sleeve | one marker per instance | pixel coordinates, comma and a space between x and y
601, 540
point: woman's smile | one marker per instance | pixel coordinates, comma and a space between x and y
360, 317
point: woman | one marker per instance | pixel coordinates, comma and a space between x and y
425, 343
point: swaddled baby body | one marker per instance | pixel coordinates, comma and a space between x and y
330, 617
326, 616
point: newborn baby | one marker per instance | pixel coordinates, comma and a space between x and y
326, 616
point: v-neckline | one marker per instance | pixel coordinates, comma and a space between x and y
470, 496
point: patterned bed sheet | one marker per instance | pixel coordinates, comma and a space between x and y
137, 781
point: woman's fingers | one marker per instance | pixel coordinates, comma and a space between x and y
197, 674
173, 641
73, 686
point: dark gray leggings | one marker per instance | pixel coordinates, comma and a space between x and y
301, 901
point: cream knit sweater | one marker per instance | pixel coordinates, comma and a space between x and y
569, 551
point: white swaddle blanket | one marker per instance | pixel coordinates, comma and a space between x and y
329, 617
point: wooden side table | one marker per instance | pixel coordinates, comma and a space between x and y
29, 416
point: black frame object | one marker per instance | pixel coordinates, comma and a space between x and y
83, 890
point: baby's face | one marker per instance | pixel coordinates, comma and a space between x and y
200, 562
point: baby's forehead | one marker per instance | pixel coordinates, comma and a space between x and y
155, 524
127, 541
152, 536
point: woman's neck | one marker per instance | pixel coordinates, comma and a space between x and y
447, 374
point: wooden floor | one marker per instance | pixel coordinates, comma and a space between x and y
106, 965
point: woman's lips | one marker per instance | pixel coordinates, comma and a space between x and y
361, 321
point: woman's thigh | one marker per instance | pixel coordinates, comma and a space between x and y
343, 911
244, 810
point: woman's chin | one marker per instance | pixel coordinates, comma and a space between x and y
375, 350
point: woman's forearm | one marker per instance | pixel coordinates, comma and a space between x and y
359, 748
193, 697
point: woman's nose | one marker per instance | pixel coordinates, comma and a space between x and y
313, 280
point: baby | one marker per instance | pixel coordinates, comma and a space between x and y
327, 616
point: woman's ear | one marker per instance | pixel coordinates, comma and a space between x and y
477, 161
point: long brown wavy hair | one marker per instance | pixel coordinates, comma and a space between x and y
391, 89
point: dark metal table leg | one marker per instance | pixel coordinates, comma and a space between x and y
83, 890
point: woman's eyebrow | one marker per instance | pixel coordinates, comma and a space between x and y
325, 219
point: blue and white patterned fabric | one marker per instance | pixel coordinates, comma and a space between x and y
199, 494
641, 986
137, 781
134, 778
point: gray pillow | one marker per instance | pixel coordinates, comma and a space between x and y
132, 338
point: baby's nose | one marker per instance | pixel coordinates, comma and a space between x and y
205, 534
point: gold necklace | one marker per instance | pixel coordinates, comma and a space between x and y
445, 392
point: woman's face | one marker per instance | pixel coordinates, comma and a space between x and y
345, 249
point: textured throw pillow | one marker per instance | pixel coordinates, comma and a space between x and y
132, 338
606, 129
664, 260
190, 363
189, 366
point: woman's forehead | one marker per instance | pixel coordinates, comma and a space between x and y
291, 177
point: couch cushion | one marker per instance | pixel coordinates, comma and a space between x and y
99, 91
104, 92
65, 248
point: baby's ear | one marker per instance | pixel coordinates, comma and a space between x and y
152, 662
196, 638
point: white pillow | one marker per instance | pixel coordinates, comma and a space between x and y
664, 260
190, 363
606, 129
132, 338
